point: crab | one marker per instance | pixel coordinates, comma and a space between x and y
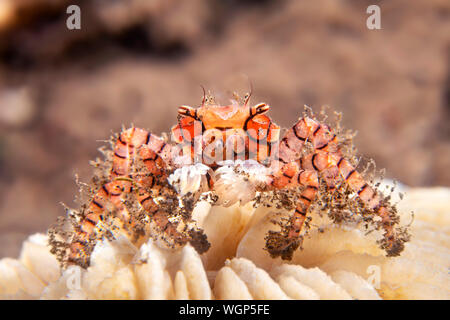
231, 152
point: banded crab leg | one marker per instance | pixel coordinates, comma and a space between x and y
287, 171
155, 154
161, 201
295, 169
284, 243
394, 238
108, 197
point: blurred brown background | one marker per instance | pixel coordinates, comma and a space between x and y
136, 61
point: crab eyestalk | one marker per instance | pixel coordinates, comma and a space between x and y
187, 111
259, 109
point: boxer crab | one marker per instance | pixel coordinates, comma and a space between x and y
226, 154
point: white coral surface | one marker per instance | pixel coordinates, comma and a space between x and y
338, 263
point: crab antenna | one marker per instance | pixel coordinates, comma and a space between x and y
247, 98
204, 95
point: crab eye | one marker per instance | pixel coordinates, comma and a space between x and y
259, 109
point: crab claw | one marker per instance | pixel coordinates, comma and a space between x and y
280, 245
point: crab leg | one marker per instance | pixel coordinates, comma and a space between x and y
149, 187
306, 129
310, 181
153, 151
289, 171
393, 243
284, 243
327, 160
109, 195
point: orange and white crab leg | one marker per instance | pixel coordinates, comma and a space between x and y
305, 129
153, 150
373, 200
310, 181
291, 175
326, 158
131, 140
108, 196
